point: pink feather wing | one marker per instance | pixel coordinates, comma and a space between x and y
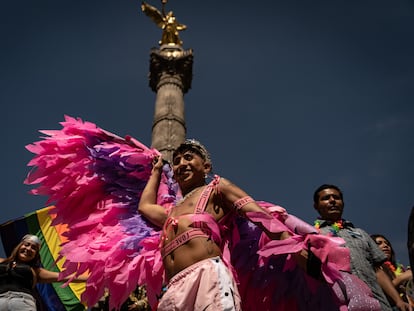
94, 179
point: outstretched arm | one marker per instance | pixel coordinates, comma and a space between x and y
47, 276
148, 203
244, 204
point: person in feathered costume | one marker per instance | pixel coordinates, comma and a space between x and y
96, 180
194, 231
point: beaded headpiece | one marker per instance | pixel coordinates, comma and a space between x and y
32, 238
195, 145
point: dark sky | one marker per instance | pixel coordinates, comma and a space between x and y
287, 95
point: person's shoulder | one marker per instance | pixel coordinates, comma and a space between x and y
220, 179
222, 186
349, 224
357, 230
222, 183
361, 231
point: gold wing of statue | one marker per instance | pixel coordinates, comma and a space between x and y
153, 13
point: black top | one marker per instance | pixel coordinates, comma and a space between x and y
17, 278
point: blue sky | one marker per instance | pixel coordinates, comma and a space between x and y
286, 95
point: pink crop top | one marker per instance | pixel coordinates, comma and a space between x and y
204, 224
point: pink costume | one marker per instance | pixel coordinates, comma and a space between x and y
199, 216
205, 285
95, 180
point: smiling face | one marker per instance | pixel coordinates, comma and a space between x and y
329, 204
27, 251
189, 170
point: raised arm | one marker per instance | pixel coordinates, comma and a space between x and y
148, 203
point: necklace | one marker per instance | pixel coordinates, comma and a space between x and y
390, 266
333, 229
189, 194
396, 270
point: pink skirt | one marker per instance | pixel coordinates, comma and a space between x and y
205, 285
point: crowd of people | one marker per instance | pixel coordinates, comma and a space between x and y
367, 259
198, 275
192, 258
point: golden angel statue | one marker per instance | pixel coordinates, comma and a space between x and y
166, 22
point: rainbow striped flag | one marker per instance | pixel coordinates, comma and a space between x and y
53, 296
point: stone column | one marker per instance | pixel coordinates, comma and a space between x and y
170, 78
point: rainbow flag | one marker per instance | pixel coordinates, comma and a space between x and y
53, 296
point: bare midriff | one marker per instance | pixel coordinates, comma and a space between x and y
197, 248
188, 254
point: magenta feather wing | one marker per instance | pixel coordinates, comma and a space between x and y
94, 179
270, 278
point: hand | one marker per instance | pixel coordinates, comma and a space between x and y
403, 306
157, 163
406, 276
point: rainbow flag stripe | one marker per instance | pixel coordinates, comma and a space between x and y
53, 296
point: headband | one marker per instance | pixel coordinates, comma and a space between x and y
32, 238
196, 146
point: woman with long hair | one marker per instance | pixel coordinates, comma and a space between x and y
21, 271
398, 274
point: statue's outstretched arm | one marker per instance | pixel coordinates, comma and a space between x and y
181, 27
